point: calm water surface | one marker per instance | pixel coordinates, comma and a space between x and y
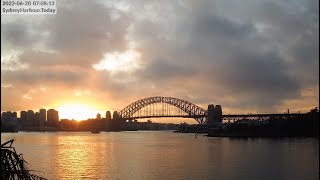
164, 155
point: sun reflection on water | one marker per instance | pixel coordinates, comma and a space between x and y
78, 157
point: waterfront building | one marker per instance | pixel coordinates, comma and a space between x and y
98, 116
23, 118
115, 115
30, 118
23, 115
9, 119
36, 121
53, 117
6, 116
43, 117
108, 115
14, 115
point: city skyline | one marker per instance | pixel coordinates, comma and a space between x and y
42, 114
247, 56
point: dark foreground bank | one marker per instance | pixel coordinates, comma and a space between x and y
308, 126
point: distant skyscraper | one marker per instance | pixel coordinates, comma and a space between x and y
23, 118
9, 118
53, 117
14, 114
5, 115
108, 115
115, 115
98, 116
36, 121
56, 118
50, 113
8, 115
30, 116
43, 117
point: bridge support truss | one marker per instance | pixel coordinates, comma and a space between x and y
147, 105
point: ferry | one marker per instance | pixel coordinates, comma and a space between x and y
95, 132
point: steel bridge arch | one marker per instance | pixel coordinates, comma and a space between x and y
191, 109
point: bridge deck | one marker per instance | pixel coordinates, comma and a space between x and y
164, 116
260, 115
227, 116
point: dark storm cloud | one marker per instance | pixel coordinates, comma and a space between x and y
234, 57
305, 57
218, 28
260, 73
15, 34
262, 78
166, 69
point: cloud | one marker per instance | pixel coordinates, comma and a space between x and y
252, 56
11, 62
165, 69
15, 34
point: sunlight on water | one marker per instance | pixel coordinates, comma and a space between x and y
165, 155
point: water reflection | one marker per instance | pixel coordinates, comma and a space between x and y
165, 155
79, 156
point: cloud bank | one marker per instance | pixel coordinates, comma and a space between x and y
252, 56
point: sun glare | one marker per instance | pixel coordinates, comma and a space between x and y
77, 112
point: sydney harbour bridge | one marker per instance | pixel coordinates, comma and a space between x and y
159, 106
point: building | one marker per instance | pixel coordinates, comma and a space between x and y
8, 116
14, 115
115, 115
98, 116
36, 121
23, 118
43, 117
30, 118
9, 120
108, 115
53, 117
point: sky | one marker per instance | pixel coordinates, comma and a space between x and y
247, 56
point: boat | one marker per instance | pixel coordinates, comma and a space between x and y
95, 132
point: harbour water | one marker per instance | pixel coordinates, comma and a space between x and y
165, 155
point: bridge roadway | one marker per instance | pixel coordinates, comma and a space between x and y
237, 117
226, 117
169, 116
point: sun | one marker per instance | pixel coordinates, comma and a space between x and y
76, 111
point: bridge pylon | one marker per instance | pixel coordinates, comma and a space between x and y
214, 114
210, 114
